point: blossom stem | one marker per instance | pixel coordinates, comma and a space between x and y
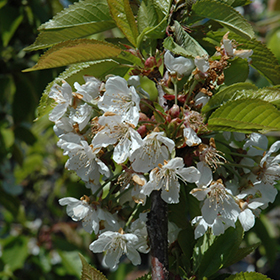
238, 165
195, 82
240, 155
132, 215
125, 191
175, 90
104, 184
157, 226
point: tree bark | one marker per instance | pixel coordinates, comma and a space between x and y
157, 226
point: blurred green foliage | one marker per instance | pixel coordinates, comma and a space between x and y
37, 239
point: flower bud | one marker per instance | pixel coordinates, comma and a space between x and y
174, 111
150, 62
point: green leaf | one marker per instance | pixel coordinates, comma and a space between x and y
169, 44
70, 262
75, 73
75, 51
201, 246
186, 242
245, 115
218, 253
162, 6
243, 91
124, 18
248, 276
147, 15
236, 3
82, 19
15, 251
89, 272
273, 42
232, 92
240, 254
263, 59
153, 19
237, 72
10, 21
263, 230
184, 40
225, 15
10, 202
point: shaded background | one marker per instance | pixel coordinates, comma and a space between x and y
37, 239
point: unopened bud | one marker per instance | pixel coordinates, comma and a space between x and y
174, 111
150, 62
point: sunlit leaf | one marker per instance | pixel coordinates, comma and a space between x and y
242, 91
248, 276
89, 272
124, 18
225, 15
246, 115
81, 19
232, 92
75, 51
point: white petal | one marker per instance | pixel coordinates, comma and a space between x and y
247, 219
191, 137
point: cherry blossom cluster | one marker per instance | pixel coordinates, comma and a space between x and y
123, 146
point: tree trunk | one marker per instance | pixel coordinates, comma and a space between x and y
157, 226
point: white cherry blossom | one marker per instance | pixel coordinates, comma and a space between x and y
82, 115
89, 90
191, 138
115, 244
202, 64
231, 51
63, 96
113, 131
218, 227
217, 201
166, 178
83, 158
178, 65
155, 149
63, 126
270, 166
121, 100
